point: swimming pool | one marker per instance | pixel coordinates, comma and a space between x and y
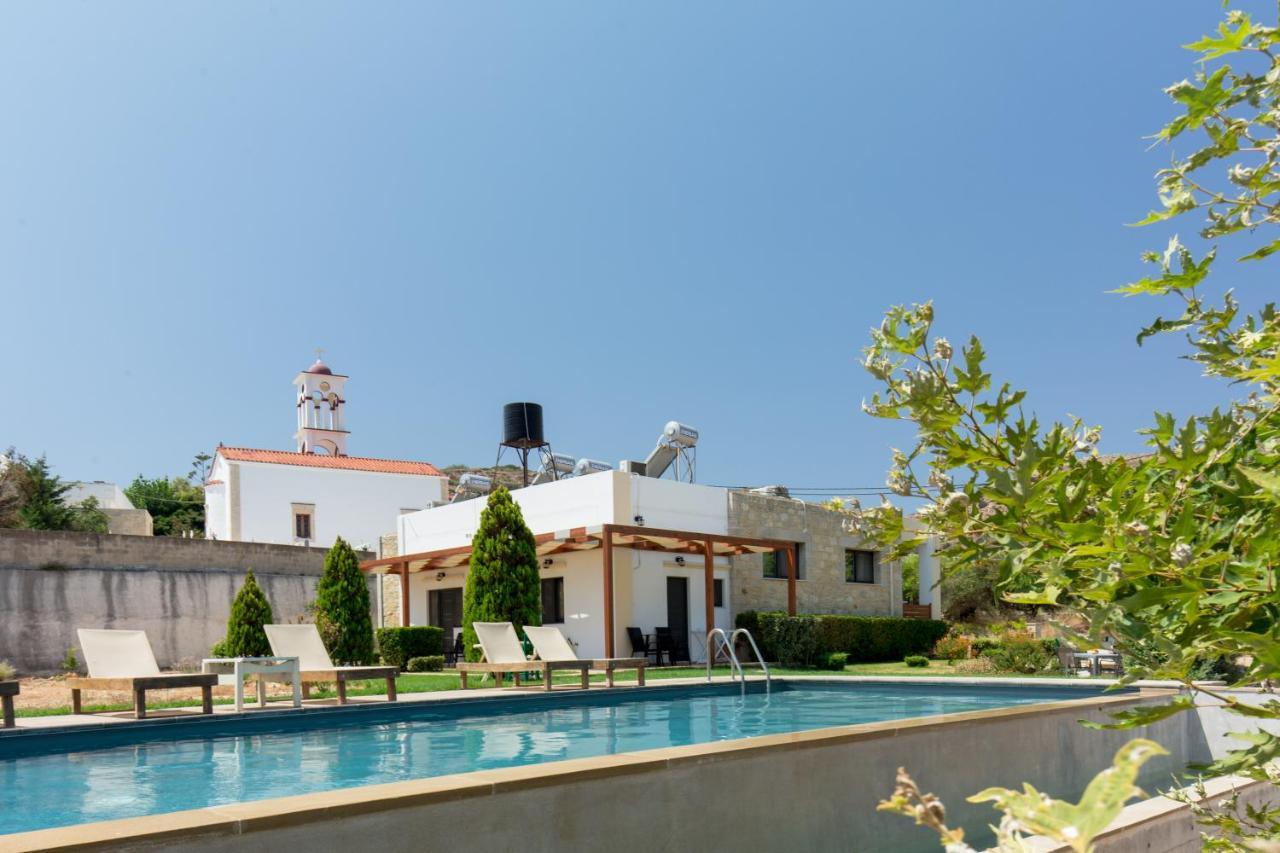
58, 779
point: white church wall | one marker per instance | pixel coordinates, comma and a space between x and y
359, 506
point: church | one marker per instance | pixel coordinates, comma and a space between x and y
312, 495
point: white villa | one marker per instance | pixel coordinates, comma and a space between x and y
314, 494
620, 550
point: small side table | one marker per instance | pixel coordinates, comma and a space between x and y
234, 670
8, 689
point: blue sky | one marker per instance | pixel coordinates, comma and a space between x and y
627, 212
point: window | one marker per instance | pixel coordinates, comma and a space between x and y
775, 563
552, 600
304, 521
859, 566
717, 588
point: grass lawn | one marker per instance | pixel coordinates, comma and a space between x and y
428, 682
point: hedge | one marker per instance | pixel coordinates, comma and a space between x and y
806, 640
398, 645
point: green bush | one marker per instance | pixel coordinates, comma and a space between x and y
398, 646
835, 661
916, 660
795, 640
342, 607
71, 663
220, 649
503, 584
875, 639
866, 639
1021, 655
246, 638
426, 663
6, 670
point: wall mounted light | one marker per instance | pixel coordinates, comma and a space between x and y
547, 563
639, 519
441, 575
679, 561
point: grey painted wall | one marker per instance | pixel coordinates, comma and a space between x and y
178, 590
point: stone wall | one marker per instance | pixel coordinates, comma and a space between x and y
129, 522
822, 587
390, 583
178, 590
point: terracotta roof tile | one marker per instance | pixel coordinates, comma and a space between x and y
318, 460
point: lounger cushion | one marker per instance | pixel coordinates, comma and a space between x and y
117, 654
302, 642
499, 642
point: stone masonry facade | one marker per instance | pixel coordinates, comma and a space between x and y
390, 583
821, 587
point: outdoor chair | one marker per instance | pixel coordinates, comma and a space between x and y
551, 645
316, 667
665, 643
456, 650
641, 645
123, 660
504, 654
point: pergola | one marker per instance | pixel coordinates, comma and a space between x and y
606, 537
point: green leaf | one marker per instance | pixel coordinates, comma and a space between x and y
1144, 715
1227, 41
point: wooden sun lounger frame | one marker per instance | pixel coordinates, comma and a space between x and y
546, 667
340, 675
609, 665
8, 689
139, 685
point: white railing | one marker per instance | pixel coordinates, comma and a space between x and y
717, 640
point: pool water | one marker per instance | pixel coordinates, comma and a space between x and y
58, 779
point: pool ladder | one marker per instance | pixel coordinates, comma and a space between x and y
717, 640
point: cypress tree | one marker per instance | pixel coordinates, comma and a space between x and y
342, 607
246, 637
503, 584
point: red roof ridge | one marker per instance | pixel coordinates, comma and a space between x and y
323, 460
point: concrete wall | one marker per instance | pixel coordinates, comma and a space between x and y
822, 587
178, 590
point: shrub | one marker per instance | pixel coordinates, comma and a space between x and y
398, 646
503, 584
220, 649
792, 640
246, 638
874, 639
1018, 654
7, 671
835, 661
426, 663
1218, 669
916, 660
70, 663
952, 647
342, 607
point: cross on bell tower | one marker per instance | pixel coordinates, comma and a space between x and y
322, 426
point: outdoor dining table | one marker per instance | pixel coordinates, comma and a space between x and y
263, 669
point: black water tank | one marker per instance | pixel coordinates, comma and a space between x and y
522, 425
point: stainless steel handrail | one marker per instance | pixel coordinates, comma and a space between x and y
768, 679
713, 649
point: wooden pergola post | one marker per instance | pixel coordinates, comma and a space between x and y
792, 571
404, 593
607, 547
709, 586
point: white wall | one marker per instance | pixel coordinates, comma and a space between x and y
576, 502
359, 506
640, 586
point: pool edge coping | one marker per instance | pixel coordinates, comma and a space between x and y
277, 812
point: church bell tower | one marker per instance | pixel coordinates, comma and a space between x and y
322, 422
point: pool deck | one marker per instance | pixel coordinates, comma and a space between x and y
284, 705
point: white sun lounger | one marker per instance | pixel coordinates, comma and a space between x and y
123, 660
551, 645
503, 653
303, 642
